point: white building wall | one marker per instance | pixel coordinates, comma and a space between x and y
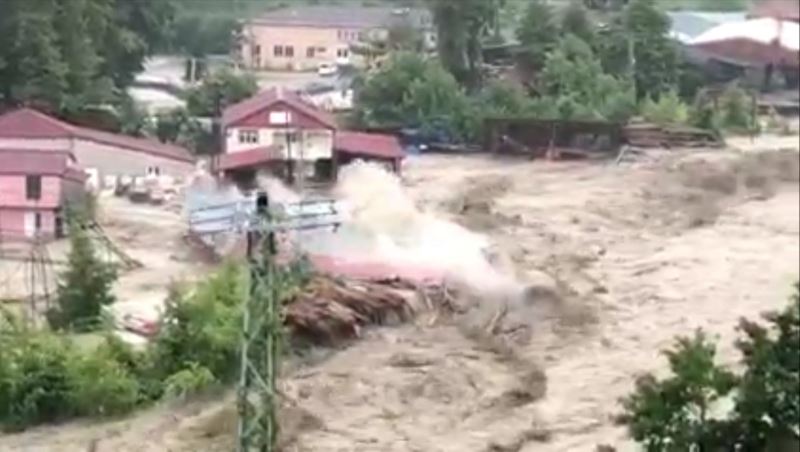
113, 161
311, 144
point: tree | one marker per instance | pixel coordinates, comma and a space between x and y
461, 26
576, 21
537, 33
412, 91
573, 80
63, 55
84, 287
703, 406
655, 57
220, 89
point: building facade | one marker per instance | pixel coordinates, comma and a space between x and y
276, 128
304, 37
104, 156
36, 188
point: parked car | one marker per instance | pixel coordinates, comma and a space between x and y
327, 69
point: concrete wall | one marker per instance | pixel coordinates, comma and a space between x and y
311, 144
258, 50
116, 161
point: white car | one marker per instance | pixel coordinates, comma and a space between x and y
327, 69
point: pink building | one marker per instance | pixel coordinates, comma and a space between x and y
35, 189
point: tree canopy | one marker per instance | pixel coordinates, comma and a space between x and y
537, 33
63, 55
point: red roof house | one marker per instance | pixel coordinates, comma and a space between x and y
35, 188
297, 135
100, 153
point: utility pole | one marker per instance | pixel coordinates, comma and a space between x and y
262, 325
260, 345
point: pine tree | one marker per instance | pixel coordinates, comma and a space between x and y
84, 287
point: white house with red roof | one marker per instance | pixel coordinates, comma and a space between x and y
278, 132
101, 154
36, 186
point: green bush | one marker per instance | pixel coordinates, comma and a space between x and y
736, 112
202, 327
189, 381
704, 406
669, 109
101, 386
35, 383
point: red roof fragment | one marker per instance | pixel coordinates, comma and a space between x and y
368, 144
45, 163
249, 158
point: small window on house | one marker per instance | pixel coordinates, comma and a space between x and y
342, 53
255, 55
321, 50
277, 51
33, 187
310, 52
340, 34
248, 136
37, 221
288, 51
153, 171
362, 36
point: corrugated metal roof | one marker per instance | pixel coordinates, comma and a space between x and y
266, 99
368, 144
345, 16
29, 123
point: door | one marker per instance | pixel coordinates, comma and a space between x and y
33, 222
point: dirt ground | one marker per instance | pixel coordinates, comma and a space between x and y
619, 259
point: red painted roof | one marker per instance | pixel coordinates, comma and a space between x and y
266, 99
29, 123
777, 9
45, 163
368, 144
245, 159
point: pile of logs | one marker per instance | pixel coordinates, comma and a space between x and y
329, 310
647, 135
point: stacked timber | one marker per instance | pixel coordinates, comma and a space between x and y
648, 135
329, 310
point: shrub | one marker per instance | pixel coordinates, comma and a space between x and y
202, 327
189, 381
669, 109
736, 111
35, 384
686, 410
101, 386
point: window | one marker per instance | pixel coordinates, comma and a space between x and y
277, 51
342, 53
341, 35
247, 136
33, 187
310, 52
362, 36
255, 55
37, 221
153, 171
321, 50
281, 138
288, 51
279, 117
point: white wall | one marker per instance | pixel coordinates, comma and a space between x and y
116, 161
312, 144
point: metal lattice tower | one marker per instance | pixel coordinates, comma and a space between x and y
262, 326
